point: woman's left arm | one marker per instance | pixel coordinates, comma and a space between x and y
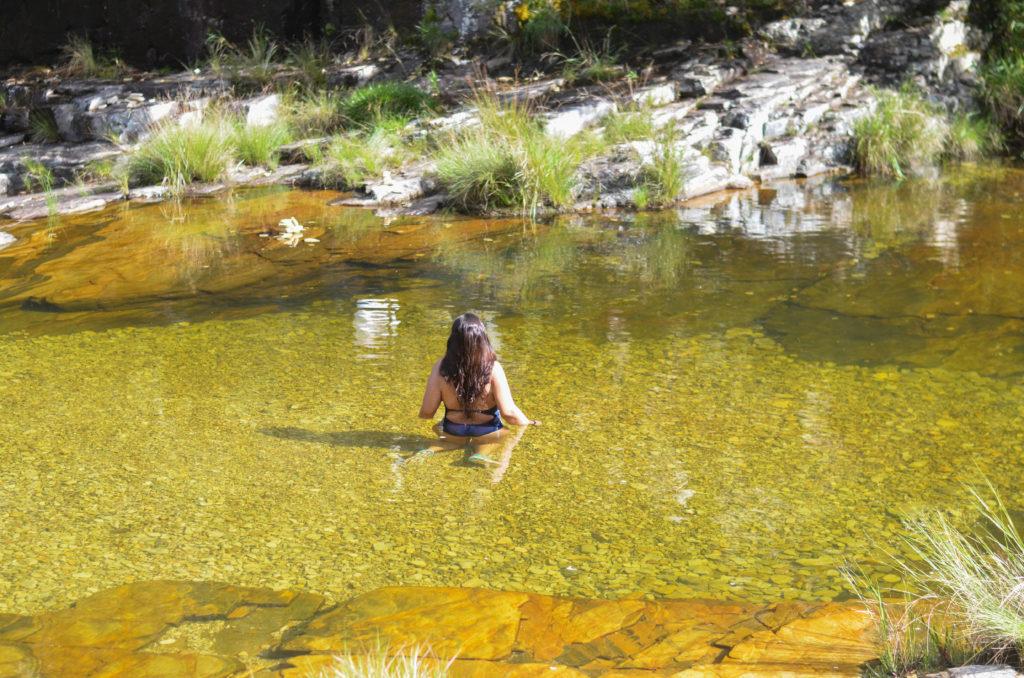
432, 396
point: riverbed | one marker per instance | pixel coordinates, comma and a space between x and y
739, 397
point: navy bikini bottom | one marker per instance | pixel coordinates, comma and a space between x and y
473, 430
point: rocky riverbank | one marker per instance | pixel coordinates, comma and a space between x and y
206, 629
776, 106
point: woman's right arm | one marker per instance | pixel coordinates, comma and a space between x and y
503, 397
432, 394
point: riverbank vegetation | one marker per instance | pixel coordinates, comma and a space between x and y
509, 162
967, 604
907, 134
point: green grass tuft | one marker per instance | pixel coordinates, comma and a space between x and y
181, 154
1002, 93
904, 134
980, 572
314, 114
83, 61
43, 127
311, 58
380, 101
507, 162
623, 126
972, 137
664, 177
354, 157
591, 64
259, 144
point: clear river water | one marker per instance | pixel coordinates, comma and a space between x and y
739, 397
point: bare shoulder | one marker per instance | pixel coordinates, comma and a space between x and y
497, 369
436, 369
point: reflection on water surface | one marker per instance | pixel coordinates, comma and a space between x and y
737, 397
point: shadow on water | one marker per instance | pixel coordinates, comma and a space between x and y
387, 440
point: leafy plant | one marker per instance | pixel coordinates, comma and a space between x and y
541, 26
1002, 93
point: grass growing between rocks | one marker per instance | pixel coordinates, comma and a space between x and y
382, 664
314, 114
969, 600
257, 145
181, 154
972, 137
379, 101
664, 177
82, 60
904, 134
509, 163
907, 134
354, 157
630, 125
1002, 93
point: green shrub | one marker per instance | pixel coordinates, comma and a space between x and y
181, 154
904, 134
509, 162
259, 144
972, 137
385, 100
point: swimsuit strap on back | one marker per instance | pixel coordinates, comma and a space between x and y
489, 410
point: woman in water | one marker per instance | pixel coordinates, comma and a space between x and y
471, 383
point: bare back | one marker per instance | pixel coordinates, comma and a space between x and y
458, 413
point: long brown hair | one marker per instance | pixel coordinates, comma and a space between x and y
468, 361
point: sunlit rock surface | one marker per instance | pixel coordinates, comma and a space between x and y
204, 629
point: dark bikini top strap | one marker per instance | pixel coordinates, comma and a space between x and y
490, 410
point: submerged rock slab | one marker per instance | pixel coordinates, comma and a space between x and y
171, 628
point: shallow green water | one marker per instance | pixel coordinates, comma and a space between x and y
737, 398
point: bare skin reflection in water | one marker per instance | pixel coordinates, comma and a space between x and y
493, 450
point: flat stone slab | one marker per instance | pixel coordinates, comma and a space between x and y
170, 628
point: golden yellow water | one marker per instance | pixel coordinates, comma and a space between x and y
737, 398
